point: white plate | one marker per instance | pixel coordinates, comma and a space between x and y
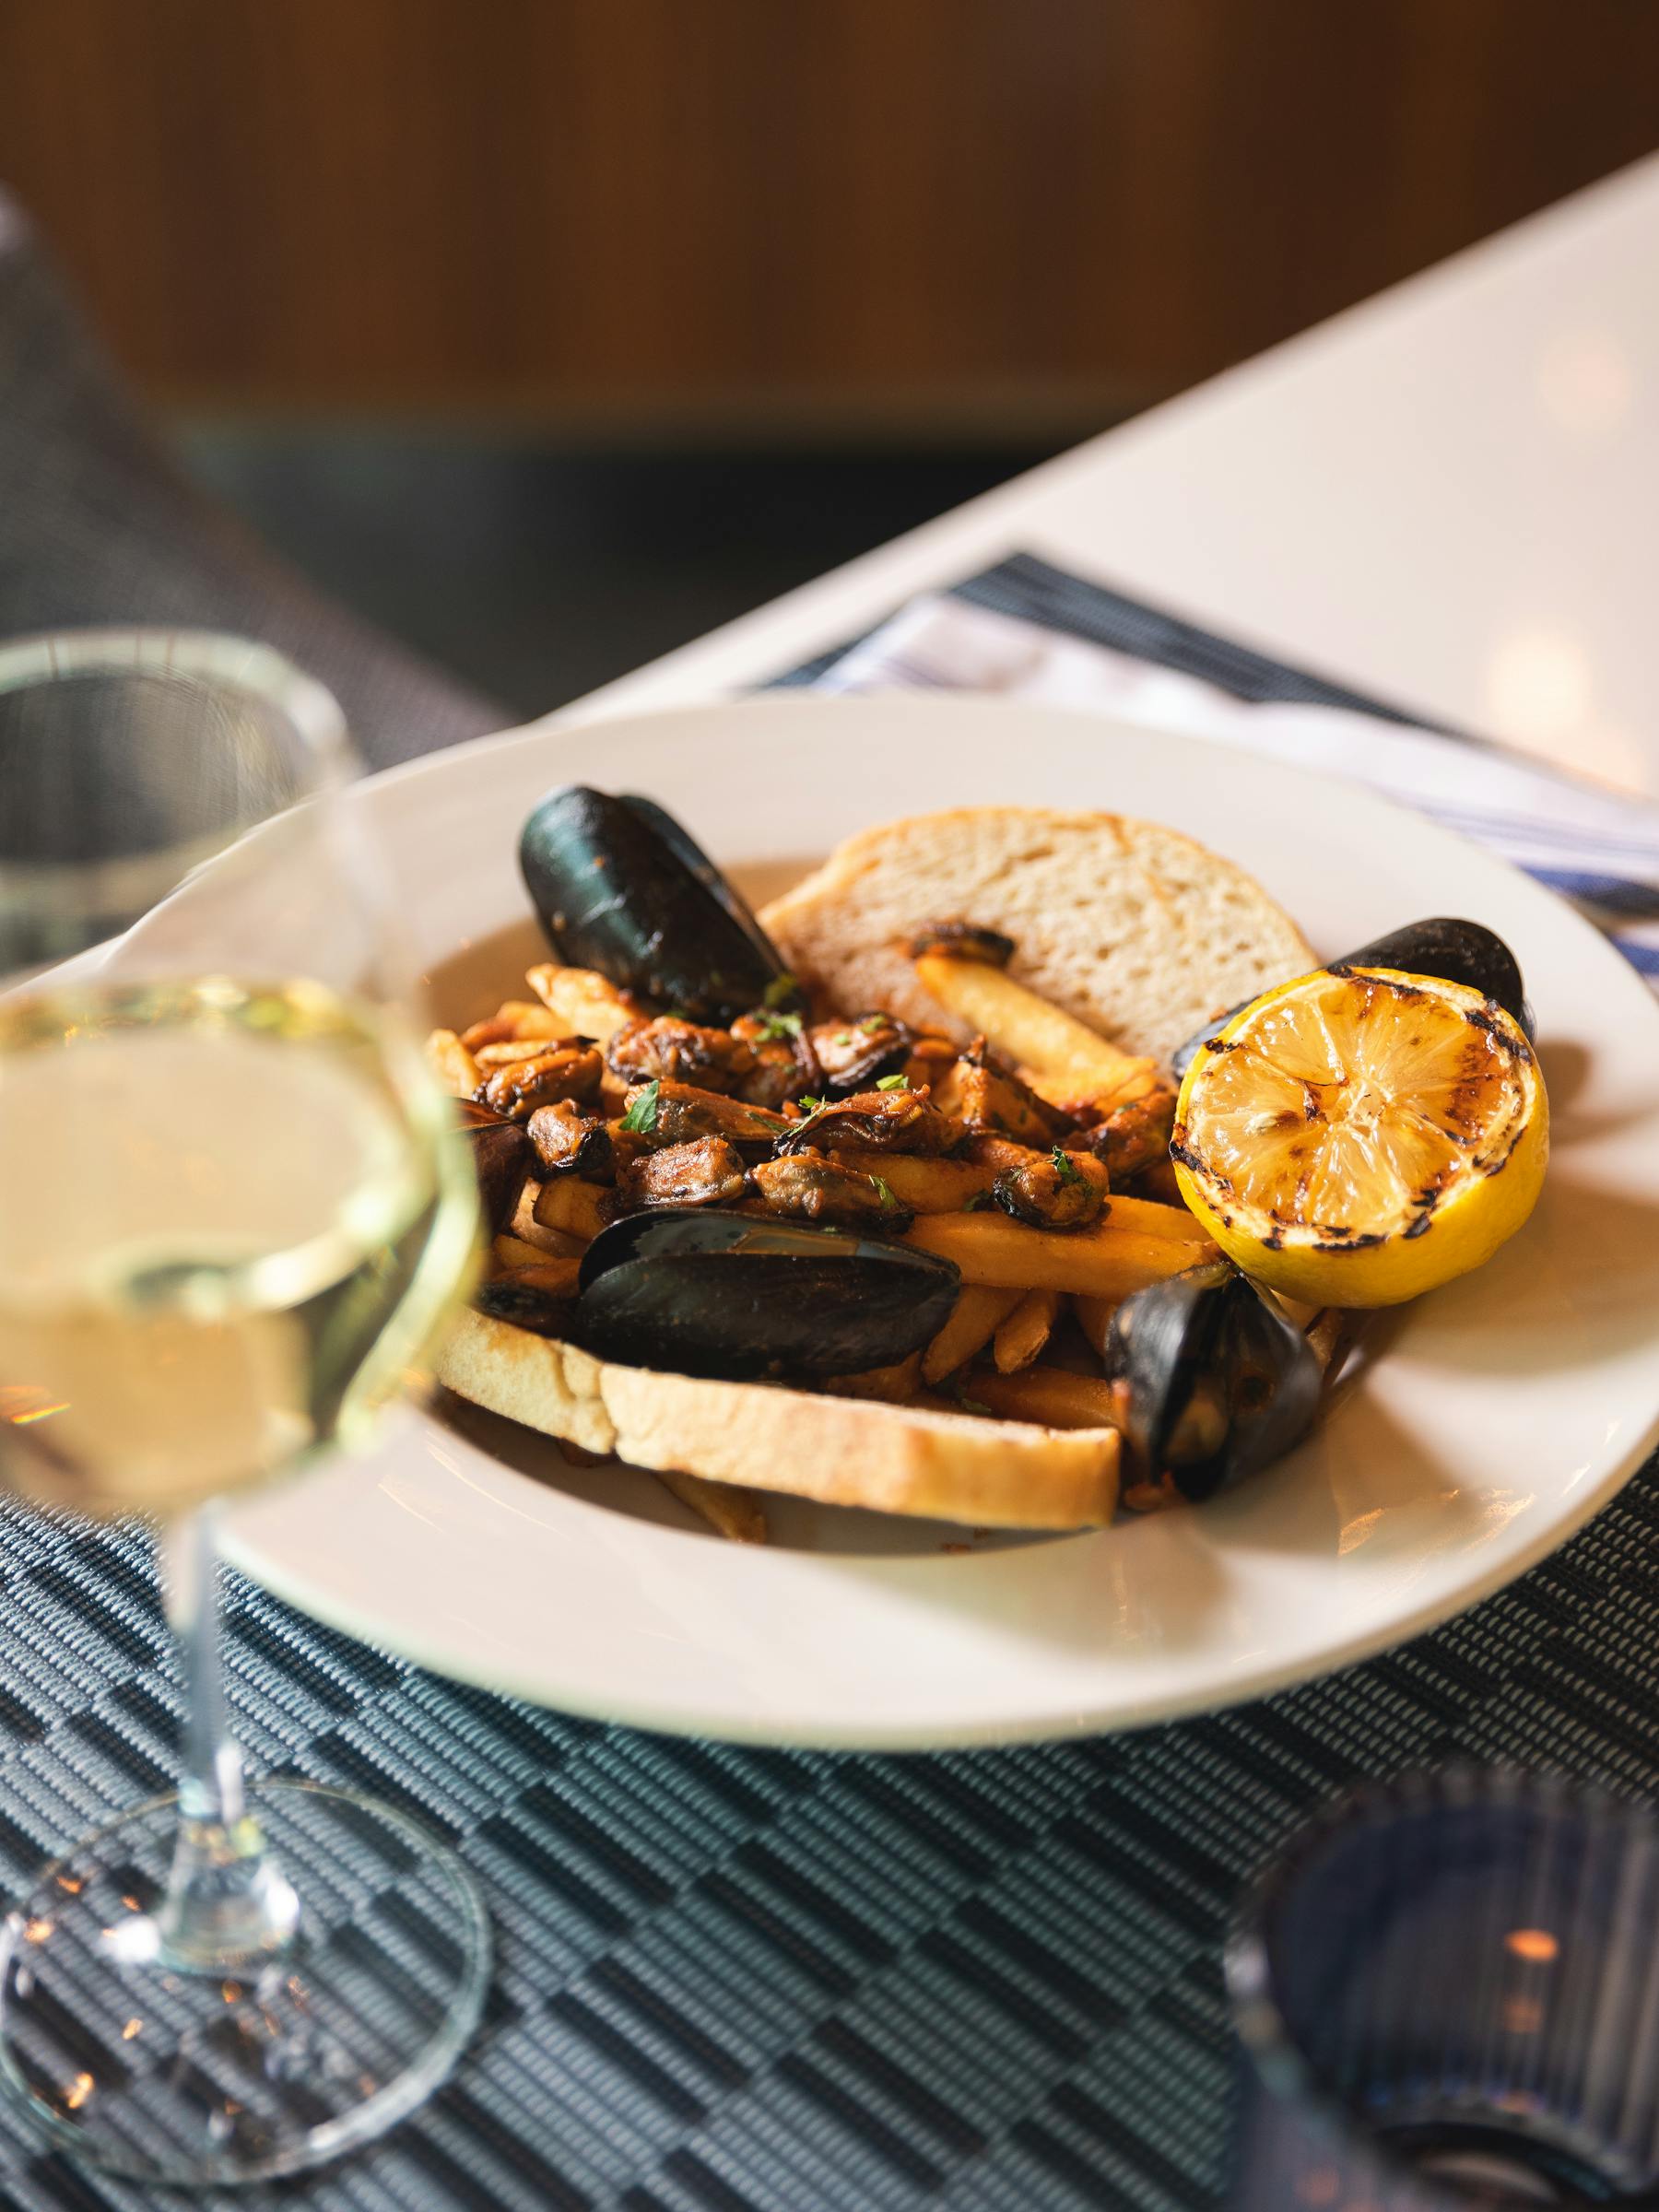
1501, 1413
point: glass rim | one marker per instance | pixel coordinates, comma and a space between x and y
1276, 2052
125, 882
237, 662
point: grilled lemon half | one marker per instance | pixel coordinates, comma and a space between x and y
1361, 1135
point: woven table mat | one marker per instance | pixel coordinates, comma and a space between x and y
742, 1981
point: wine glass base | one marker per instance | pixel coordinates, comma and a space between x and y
179, 2078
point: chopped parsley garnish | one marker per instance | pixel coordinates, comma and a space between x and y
841, 1037
970, 1404
641, 1115
872, 1022
883, 1191
893, 1083
779, 988
1065, 1165
979, 1202
780, 1025
809, 1105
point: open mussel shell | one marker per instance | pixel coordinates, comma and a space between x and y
1219, 1383
502, 1157
693, 1292
1457, 952
618, 892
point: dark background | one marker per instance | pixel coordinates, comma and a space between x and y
551, 331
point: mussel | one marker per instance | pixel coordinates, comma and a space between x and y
1216, 1381
502, 1158
732, 1295
1456, 950
622, 888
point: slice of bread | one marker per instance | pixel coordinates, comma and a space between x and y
898, 1459
1137, 931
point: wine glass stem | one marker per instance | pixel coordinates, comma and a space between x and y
228, 1906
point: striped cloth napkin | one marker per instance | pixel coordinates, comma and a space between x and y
1597, 847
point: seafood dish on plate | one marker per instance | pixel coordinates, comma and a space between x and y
1017, 1168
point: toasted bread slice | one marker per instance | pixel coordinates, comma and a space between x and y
1137, 931
898, 1459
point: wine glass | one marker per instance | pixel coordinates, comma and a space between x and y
233, 1214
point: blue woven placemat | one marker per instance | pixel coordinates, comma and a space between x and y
741, 1981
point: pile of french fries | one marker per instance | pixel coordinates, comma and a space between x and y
1010, 1348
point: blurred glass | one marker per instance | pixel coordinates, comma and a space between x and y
1448, 1994
128, 757
235, 1216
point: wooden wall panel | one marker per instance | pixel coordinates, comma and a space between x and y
905, 210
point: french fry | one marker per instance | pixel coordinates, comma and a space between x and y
1026, 1330
550, 1243
582, 1000
1094, 1318
893, 1385
1106, 1261
514, 1018
1150, 1217
1057, 1055
580, 1210
518, 1251
731, 1511
452, 1065
924, 1187
510, 1049
551, 1278
974, 1320
1048, 1394
494, 1029
1138, 1079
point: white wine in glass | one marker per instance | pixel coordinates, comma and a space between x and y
234, 1213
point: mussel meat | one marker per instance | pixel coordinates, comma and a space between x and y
662, 1112
707, 1172
734, 1295
1216, 1381
852, 1055
813, 1188
1055, 1190
962, 941
1456, 951
680, 1052
621, 888
567, 1141
886, 1120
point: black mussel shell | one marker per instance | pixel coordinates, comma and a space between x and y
1456, 950
679, 839
616, 894
527, 1305
701, 1293
1215, 1371
502, 1157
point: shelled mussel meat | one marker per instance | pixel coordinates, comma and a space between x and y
887, 1121
852, 1055
1053, 1190
1215, 1380
622, 888
745, 1298
1457, 952
813, 1188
